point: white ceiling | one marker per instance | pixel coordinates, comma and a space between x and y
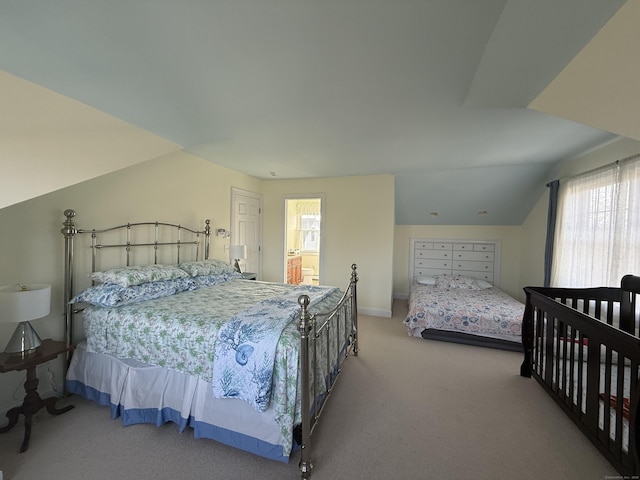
432, 91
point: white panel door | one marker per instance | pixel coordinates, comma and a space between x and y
246, 215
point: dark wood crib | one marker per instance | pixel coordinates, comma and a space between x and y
582, 345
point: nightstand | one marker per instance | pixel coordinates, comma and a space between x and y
249, 276
49, 350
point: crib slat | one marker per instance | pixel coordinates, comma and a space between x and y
580, 356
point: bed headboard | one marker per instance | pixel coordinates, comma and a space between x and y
437, 256
127, 244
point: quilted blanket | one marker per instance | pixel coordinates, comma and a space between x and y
180, 331
487, 312
245, 349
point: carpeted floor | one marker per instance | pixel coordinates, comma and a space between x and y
405, 408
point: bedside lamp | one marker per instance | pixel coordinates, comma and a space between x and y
236, 253
19, 304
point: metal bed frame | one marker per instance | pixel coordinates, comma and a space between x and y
312, 327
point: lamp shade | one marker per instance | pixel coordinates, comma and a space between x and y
237, 252
21, 303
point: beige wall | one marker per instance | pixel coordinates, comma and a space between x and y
534, 228
357, 227
510, 242
534, 234
178, 187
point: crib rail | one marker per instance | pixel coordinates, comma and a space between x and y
576, 348
316, 344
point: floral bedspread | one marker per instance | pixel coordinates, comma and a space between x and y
488, 312
180, 332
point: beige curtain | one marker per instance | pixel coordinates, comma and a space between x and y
307, 207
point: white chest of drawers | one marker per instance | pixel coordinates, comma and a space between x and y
473, 258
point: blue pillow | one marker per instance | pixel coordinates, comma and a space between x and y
114, 295
139, 274
207, 267
208, 280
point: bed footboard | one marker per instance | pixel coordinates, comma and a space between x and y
582, 346
317, 345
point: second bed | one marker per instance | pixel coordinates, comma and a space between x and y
462, 309
453, 294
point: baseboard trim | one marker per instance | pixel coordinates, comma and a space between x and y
374, 312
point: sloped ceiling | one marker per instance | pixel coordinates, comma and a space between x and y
48, 142
434, 92
601, 86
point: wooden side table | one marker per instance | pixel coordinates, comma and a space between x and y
49, 350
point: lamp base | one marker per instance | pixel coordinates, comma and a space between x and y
24, 341
236, 264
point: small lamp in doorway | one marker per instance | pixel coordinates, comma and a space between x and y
19, 304
237, 253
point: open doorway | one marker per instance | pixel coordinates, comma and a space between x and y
303, 234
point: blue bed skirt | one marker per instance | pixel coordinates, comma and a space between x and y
140, 393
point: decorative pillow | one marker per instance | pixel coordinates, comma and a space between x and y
208, 280
207, 267
139, 274
482, 284
448, 282
114, 295
426, 280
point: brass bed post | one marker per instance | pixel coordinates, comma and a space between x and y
354, 307
305, 325
69, 231
207, 238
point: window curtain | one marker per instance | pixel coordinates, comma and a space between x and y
307, 208
309, 227
597, 239
551, 230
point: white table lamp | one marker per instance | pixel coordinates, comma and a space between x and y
19, 304
237, 253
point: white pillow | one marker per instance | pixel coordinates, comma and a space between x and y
483, 283
426, 280
448, 282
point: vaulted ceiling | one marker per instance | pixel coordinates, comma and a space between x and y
437, 92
